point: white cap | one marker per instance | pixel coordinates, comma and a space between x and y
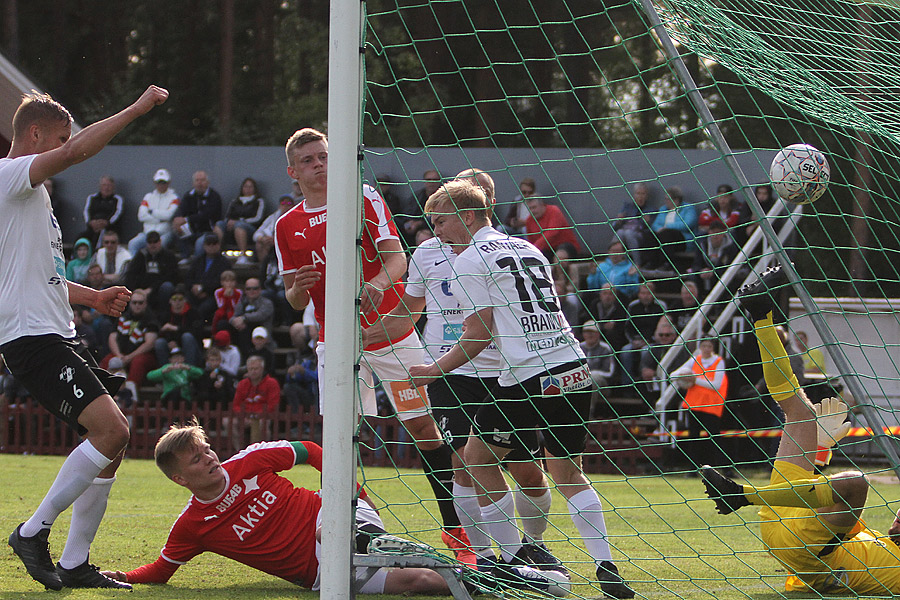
260, 332
162, 175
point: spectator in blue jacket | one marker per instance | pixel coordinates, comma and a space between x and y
618, 270
675, 223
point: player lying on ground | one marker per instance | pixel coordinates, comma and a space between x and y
244, 510
810, 524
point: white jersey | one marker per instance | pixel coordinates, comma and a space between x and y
430, 274
513, 278
34, 297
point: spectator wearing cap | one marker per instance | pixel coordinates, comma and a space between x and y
154, 270
261, 345
200, 209
252, 310
181, 327
264, 237
176, 378
156, 211
231, 356
204, 276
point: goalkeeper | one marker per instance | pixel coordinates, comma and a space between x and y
811, 524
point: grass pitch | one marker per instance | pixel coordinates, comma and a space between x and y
667, 538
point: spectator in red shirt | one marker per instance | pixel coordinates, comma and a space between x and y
724, 208
257, 395
547, 227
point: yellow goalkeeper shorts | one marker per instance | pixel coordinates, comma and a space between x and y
866, 563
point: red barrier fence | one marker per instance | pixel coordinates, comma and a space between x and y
615, 446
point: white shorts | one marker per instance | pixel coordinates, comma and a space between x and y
391, 366
375, 585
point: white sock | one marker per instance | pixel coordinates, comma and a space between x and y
498, 519
74, 477
469, 512
87, 512
533, 511
587, 514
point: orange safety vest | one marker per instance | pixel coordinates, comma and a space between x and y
704, 399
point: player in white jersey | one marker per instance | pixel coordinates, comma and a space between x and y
37, 336
505, 288
456, 397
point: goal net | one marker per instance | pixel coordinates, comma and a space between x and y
631, 143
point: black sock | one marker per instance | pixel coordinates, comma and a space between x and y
438, 468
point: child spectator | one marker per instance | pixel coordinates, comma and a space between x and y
216, 386
77, 268
227, 297
262, 347
176, 379
231, 356
301, 383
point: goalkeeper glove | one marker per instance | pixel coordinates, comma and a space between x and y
832, 427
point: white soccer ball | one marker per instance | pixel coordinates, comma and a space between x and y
800, 173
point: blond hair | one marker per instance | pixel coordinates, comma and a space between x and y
179, 437
459, 195
37, 108
302, 137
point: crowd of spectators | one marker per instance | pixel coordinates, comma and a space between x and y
194, 327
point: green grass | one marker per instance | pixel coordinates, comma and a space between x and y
668, 540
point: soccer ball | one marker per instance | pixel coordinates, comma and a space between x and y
800, 173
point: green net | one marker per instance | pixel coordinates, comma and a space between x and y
580, 105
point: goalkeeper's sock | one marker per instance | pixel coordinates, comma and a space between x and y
438, 469
799, 493
780, 378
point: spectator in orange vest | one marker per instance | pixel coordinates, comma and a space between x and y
705, 383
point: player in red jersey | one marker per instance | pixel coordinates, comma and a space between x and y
300, 248
242, 509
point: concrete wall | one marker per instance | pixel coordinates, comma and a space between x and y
589, 183
869, 334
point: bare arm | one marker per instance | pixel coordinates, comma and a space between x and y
476, 337
91, 140
110, 301
393, 267
298, 284
395, 323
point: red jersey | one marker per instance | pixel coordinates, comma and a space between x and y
552, 230
300, 240
260, 520
260, 398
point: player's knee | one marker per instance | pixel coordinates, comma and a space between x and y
852, 487
529, 476
422, 581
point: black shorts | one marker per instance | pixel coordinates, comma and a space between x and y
60, 374
454, 401
540, 405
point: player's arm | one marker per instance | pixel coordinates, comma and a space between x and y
156, 572
395, 323
110, 301
476, 337
92, 139
297, 285
393, 267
